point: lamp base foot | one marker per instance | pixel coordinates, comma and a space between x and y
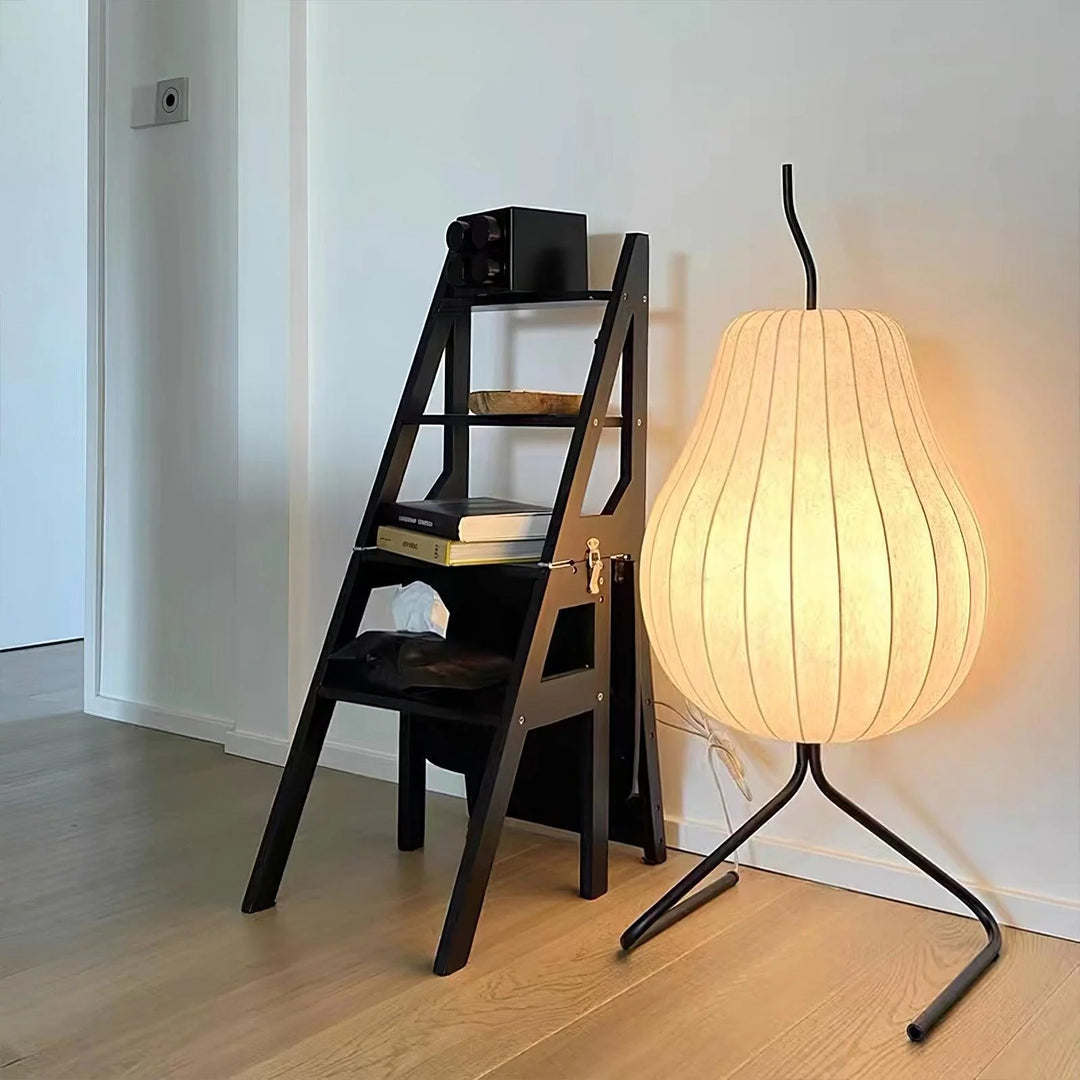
680, 900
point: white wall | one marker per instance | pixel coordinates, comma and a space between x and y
931, 186
168, 438
42, 319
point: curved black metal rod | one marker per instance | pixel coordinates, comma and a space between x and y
672, 906
920, 1027
675, 904
800, 240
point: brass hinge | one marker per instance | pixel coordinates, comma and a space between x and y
594, 564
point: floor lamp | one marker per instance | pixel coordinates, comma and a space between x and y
812, 571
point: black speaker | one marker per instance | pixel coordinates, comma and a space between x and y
518, 249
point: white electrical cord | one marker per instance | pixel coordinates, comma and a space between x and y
717, 744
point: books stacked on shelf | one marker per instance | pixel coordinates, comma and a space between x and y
464, 532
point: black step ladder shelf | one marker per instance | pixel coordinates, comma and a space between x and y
570, 741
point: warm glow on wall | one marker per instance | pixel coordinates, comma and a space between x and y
812, 571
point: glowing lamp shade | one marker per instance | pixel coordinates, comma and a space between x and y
811, 569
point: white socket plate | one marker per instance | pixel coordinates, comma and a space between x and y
171, 105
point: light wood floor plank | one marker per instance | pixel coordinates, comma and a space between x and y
124, 854
713, 1008
254, 985
1047, 1047
519, 991
859, 1032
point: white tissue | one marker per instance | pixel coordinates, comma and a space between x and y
418, 608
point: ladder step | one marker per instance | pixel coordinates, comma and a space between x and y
469, 706
504, 420
517, 301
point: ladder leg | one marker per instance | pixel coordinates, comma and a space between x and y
412, 775
655, 846
594, 804
288, 805
481, 840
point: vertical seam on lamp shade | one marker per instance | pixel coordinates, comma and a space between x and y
922, 507
683, 465
678, 523
712, 516
791, 532
749, 522
949, 686
836, 533
881, 518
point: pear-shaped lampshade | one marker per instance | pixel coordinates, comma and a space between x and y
811, 569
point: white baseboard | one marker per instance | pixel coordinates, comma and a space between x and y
207, 728
345, 757
881, 877
877, 877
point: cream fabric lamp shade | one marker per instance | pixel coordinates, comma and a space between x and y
811, 569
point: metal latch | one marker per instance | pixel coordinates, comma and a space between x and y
594, 564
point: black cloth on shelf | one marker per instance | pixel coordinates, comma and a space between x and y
395, 661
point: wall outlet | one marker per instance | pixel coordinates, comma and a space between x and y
171, 104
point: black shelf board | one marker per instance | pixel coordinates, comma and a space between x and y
468, 706
508, 301
542, 420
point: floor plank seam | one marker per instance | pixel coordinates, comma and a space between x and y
817, 1008
697, 944
1030, 1020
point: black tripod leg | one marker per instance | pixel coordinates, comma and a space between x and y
288, 805
921, 1026
672, 906
481, 840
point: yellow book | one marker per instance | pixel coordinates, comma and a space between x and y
443, 552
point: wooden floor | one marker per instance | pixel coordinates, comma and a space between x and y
123, 857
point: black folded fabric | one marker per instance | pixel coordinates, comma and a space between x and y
395, 661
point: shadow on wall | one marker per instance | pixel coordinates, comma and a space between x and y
667, 366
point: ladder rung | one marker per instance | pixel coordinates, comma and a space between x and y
511, 301
474, 707
504, 420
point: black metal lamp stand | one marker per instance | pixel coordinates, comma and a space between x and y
675, 904
678, 902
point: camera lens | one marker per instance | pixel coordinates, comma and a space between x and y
484, 230
457, 235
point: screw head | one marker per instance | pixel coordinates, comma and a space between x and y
644, 299
521, 719
599, 697
624, 296
639, 423
599, 581
596, 423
